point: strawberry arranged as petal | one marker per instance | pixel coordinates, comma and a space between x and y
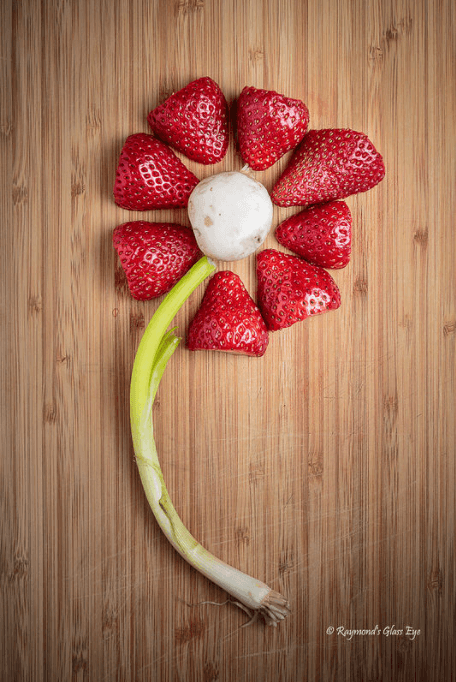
320, 234
269, 125
329, 164
149, 175
228, 319
290, 290
154, 256
194, 121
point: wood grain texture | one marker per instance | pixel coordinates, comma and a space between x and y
327, 468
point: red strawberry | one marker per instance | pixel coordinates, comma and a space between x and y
228, 319
150, 175
289, 289
320, 234
194, 121
154, 256
329, 164
268, 126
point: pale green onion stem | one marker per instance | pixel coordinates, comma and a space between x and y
155, 349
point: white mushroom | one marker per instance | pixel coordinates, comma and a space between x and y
231, 215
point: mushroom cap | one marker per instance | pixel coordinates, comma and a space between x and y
231, 215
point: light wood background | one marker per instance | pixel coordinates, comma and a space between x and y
326, 468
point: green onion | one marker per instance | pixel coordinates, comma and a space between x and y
155, 349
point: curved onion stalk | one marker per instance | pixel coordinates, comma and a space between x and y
154, 351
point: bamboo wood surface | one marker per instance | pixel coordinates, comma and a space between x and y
326, 468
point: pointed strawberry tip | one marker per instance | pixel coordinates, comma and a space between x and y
228, 320
194, 121
150, 176
320, 234
154, 256
290, 289
329, 164
268, 126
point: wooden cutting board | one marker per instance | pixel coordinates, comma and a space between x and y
326, 468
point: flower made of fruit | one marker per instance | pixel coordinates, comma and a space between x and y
231, 214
